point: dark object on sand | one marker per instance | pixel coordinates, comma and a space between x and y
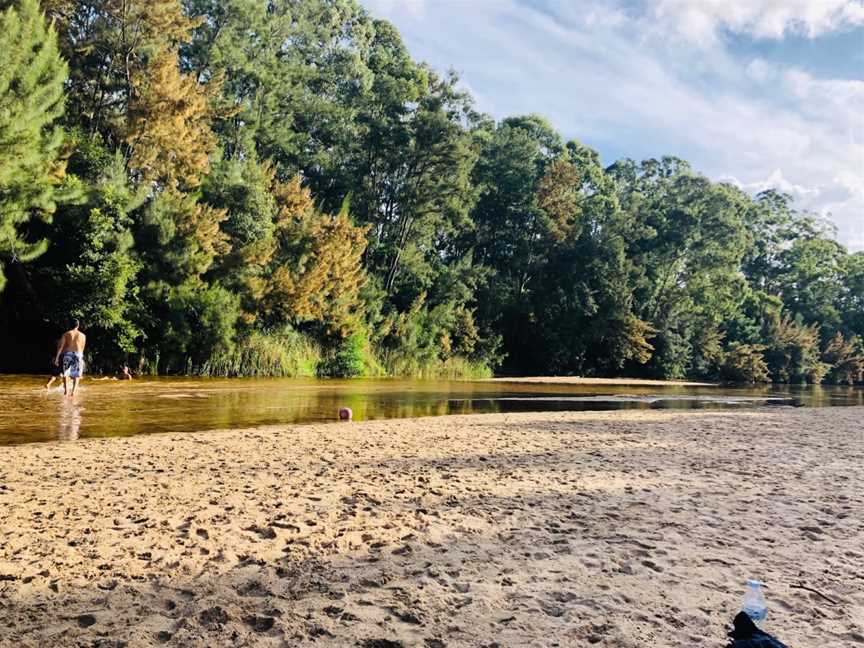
745, 634
345, 414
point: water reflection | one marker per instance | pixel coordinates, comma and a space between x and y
69, 427
30, 413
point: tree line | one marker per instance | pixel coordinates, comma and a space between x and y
250, 187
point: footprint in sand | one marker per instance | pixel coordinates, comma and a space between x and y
214, 616
260, 623
265, 533
85, 620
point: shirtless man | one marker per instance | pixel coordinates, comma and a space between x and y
70, 351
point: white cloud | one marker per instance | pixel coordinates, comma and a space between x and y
774, 181
760, 70
389, 9
841, 100
701, 21
613, 84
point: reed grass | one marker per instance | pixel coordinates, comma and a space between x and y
453, 368
285, 353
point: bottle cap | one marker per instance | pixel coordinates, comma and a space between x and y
754, 583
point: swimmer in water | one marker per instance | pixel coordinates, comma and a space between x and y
125, 374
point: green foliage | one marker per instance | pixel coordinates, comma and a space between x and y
98, 284
686, 241
810, 279
452, 368
708, 353
850, 301
241, 188
351, 358
744, 363
438, 342
31, 102
792, 351
182, 237
316, 275
193, 323
845, 359
283, 353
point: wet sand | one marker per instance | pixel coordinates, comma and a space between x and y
626, 528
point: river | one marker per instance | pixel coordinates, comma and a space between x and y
29, 413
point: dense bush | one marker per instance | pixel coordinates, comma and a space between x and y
745, 363
351, 358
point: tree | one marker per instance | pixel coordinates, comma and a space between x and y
181, 237
810, 280
510, 233
168, 130
558, 198
686, 240
243, 189
850, 301
292, 73
193, 210
745, 363
93, 274
31, 140
316, 273
415, 190
792, 350
190, 324
510, 226
582, 320
125, 85
845, 359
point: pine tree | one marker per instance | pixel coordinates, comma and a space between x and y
318, 272
187, 236
126, 85
31, 101
169, 131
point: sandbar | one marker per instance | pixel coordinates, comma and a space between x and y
627, 528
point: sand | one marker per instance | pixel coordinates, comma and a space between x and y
628, 528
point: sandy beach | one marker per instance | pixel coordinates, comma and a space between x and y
626, 528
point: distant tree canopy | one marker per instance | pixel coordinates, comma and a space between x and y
253, 187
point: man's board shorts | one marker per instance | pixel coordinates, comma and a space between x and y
73, 364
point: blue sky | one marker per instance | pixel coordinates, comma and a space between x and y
761, 93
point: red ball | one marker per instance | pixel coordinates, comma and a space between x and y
345, 414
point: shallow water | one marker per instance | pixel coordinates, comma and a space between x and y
29, 413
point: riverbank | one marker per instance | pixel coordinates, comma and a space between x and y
579, 380
626, 528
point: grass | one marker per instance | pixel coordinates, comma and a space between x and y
453, 368
285, 353
290, 354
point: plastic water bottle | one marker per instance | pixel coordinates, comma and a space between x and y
754, 602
